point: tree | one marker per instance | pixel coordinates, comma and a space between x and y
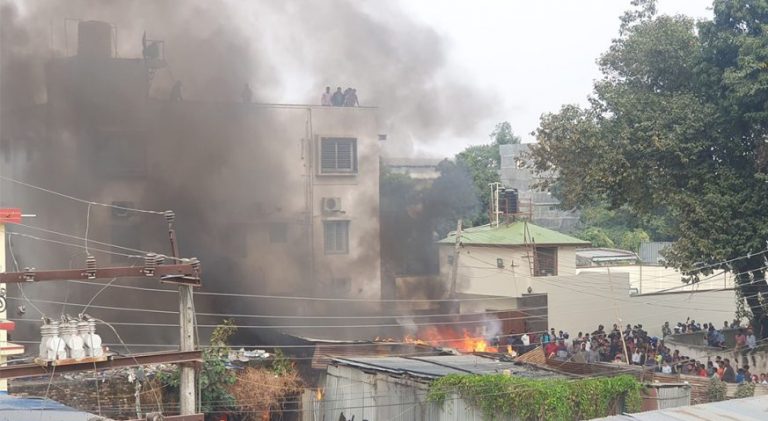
622, 227
483, 163
502, 134
678, 122
215, 377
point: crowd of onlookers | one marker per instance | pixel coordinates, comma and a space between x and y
633, 345
346, 98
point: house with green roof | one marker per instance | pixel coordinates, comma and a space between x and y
504, 259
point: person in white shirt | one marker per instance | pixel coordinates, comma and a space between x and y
666, 369
526, 339
636, 356
751, 340
326, 98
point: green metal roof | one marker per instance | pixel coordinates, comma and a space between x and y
513, 234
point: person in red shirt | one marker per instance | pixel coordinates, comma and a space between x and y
550, 349
702, 371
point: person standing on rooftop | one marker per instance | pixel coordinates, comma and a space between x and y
325, 99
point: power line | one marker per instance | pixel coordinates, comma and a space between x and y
76, 199
32, 237
75, 237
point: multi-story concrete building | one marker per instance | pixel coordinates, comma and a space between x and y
272, 198
542, 207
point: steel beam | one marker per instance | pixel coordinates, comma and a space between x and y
184, 271
32, 370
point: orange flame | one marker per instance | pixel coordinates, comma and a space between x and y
449, 338
319, 394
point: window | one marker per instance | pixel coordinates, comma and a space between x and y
338, 155
545, 261
278, 232
336, 237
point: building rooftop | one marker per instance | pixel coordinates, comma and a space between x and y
747, 409
15, 408
431, 367
587, 256
513, 234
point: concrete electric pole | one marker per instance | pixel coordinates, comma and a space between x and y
455, 267
186, 330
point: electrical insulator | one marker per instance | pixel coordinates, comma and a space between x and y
90, 267
170, 216
29, 274
159, 259
150, 263
195, 264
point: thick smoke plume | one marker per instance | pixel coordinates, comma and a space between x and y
287, 51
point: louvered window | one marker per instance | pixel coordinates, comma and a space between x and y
336, 237
338, 155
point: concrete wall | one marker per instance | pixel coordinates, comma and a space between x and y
479, 274
645, 279
581, 302
374, 396
378, 396
757, 360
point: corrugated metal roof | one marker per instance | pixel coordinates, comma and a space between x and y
650, 251
513, 235
14, 408
438, 366
324, 353
747, 409
606, 255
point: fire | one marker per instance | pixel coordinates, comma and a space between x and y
319, 394
462, 341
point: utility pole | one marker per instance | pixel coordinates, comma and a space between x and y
185, 273
186, 330
455, 267
6, 349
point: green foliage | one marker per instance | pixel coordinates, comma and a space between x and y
631, 239
620, 228
597, 236
222, 333
281, 364
215, 378
500, 396
215, 381
716, 390
745, 390
677, 123
502, 134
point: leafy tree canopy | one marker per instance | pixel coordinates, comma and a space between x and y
679, 121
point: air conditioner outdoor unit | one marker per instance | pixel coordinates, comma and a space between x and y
331, 204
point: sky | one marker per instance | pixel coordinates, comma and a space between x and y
534, 55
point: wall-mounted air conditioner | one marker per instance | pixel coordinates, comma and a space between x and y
331, 204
